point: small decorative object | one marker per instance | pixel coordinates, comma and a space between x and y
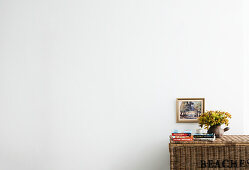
199, 131
188, 110
212, 120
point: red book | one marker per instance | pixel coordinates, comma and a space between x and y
182, 139
181, 134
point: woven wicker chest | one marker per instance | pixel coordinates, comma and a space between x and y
226, 153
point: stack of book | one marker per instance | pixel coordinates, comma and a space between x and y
182, 136
204, 136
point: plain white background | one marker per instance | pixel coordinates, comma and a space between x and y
91, 85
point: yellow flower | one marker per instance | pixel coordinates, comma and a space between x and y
210, 118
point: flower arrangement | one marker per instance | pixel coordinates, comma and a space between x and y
211, 118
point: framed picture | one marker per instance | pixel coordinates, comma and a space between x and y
188, 110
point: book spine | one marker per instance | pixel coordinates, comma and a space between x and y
203, 136
182, 139
205, 139
181, 134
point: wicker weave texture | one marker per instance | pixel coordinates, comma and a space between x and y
232, 153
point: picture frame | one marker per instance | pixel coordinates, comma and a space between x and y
188, 110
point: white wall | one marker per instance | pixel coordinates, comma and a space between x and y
246, 66
91, 85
